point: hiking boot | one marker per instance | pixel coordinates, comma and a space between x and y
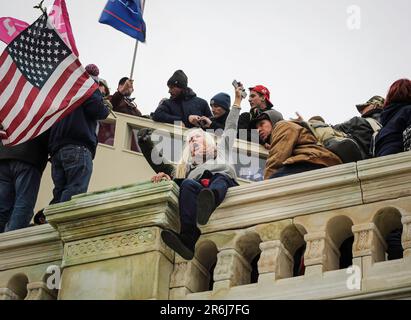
182, 244
205, 205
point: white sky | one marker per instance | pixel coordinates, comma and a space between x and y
302, 50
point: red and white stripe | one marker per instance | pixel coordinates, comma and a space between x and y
26, 111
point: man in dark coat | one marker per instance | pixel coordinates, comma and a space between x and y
362, 128
21, 168
183, 105
72, 147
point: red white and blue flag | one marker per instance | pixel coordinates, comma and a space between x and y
41, 81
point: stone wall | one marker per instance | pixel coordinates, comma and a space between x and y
108, 245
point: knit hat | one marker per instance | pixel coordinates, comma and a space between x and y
222, 100
273, 115
93, 71
178, 79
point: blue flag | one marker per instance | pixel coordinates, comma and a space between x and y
125, 16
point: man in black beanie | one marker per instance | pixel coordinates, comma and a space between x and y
183, 104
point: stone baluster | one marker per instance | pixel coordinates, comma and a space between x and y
368, 243
321, 254
188, 277
40, 291
406, 236
232, 269
275, 261
7, 294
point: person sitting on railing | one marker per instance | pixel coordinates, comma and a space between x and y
395, 119
183, 106
206, 175
220, 106
293, 148
121, 99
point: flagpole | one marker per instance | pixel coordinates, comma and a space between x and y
143, 2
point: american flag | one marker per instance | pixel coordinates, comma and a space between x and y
41, 81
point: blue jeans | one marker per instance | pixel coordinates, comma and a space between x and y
189, 191
19, 186
71, 169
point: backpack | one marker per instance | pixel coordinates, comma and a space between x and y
376, 127
335, 141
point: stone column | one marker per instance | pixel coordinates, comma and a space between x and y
7, 294
276, 261
368, 243
406, 236
40, 291
232, 269
188, 277
112, 243
321, 254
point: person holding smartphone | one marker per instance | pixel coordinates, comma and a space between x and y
206, 174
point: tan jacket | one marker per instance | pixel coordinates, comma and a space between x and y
292, 143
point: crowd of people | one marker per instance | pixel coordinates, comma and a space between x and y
204, 173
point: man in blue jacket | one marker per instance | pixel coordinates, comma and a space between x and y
72, 147
183, 105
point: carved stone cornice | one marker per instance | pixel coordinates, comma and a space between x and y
115, 245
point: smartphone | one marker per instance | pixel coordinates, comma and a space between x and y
236, 84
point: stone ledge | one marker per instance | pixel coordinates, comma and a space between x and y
287, 197
386, 177
29, 246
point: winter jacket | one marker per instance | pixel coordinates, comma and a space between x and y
79, 127
124, 105
219, 123
395, 118
360, 130
33, 152
292, 143
221, 163
181, 108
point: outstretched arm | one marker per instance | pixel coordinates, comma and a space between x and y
147, 147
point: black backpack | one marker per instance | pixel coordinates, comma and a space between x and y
339, 143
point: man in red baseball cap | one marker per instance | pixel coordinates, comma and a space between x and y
259, 100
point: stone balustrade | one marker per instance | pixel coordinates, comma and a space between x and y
108, 243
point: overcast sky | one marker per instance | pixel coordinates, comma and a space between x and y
315, 56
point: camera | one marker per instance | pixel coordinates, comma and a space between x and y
236, 85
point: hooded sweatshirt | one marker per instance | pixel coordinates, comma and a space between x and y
395, 118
